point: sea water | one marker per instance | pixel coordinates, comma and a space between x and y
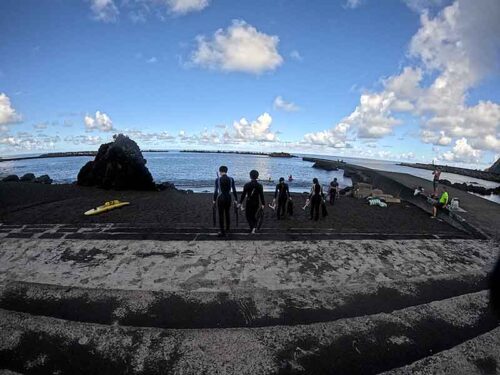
198, 171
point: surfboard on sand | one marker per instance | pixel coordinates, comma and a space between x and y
111, 205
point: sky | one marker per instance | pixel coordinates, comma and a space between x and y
409, 80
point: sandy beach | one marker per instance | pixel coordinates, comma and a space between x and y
65, 204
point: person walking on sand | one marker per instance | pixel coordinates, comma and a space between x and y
443, 201
333, 191
281, 192
316, 196
435, 180
254, 193
222, 198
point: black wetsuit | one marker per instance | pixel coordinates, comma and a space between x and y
254, 192
282, 193
316, 196
222, 196
333, 191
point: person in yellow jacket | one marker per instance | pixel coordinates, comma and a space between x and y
442, 202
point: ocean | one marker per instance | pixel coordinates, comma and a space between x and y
197, 171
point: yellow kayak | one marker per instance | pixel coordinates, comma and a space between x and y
111, 205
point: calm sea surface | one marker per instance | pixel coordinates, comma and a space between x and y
197, 171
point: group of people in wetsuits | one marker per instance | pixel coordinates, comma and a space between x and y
253, 191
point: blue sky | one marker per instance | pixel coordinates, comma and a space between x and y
356, 78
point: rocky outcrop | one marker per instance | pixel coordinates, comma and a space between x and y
11, 178
28, 177
118, 165
471, 188
495, 168
43, 179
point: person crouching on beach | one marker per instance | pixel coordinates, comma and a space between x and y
254, 193
281, 192
315, 198
441, 203
222, 198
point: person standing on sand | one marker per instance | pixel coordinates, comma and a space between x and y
443, 201
435, 180
315, 198
283, 194
222, 198
334, 187
254, 193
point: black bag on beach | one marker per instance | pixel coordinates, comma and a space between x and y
289, 207
324, 211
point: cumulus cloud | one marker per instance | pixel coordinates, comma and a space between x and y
8, 114
181, 7
241, 47
104, 10
282, 104
438, 139
258, 130
462, 152
335, 137
241, 132
100, 121
451, 53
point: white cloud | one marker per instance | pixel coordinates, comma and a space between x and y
24, 141
281, 104
452, 52
295, 55
258, 130
181, 7
101, 122
8, 114
146, 137
40, 126
152, 60
440, 139
421, 5
84, 140
241, 47
352, 4
335, 137
462, 152
104, 10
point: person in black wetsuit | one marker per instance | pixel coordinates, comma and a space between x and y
315, 198
283, 194
334, 187
254, 192
222, 197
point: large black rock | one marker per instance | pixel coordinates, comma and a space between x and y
118, 165
495, 168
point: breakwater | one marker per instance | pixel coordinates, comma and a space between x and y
483, 175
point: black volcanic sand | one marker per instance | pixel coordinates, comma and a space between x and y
25, 203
